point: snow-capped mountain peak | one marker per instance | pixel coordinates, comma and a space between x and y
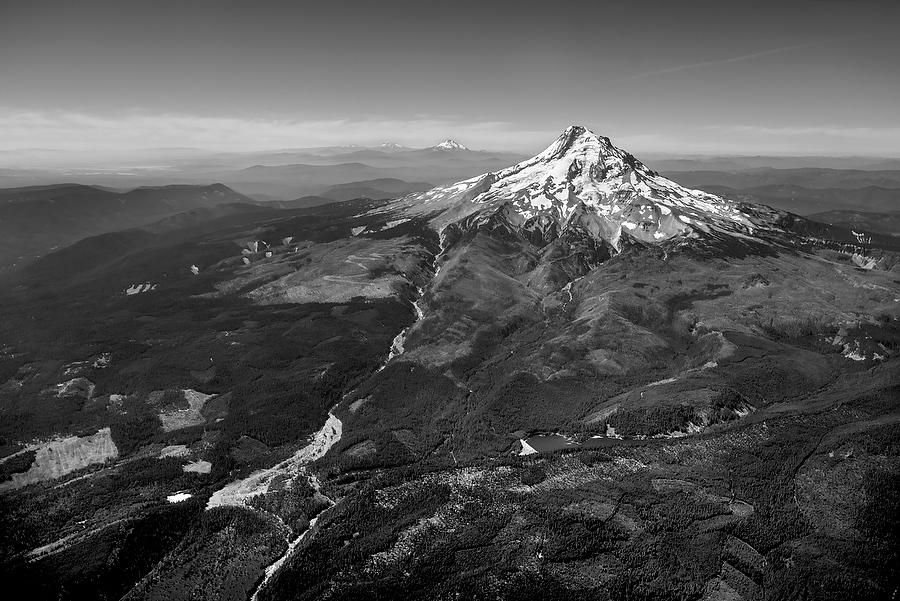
582, 176
449, 144
390, 146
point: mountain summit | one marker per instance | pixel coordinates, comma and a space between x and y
583, 179
449, 144
391, 146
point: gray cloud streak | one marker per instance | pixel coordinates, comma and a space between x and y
734, 59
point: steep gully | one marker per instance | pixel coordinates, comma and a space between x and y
239, 492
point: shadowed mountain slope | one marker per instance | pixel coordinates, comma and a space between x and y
35, 220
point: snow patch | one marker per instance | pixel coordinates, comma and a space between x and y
139, 288
449, 144
527, 449
863, 262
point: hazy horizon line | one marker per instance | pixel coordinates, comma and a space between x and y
79, 133
667, 154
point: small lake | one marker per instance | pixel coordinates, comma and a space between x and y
546, 443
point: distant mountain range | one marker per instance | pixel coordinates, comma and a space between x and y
376, 189
805, 177
38, 219
884, 223
283, 174
800, 184
736, 164
807, 201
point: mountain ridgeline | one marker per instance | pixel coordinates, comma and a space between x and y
38, 219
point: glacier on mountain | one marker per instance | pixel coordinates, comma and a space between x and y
583, 179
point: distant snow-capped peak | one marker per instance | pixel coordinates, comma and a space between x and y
584, 177
449, 144
391, 146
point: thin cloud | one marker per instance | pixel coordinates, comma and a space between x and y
813, 139
864, 133
75, 131
65, 138
733, 59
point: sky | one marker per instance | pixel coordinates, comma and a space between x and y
807, 77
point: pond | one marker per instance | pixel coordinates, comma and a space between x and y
546, 443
